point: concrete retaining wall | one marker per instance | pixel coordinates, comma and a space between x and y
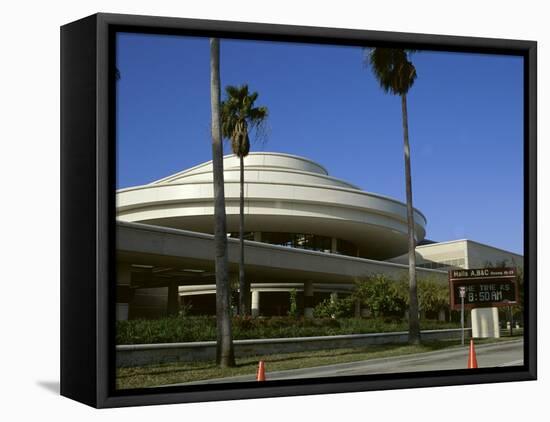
149, 354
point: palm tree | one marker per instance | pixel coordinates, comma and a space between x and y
239, 118
396, 75
224, 343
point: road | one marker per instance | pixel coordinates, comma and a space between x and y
507, 353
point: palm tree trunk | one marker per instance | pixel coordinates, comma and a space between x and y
224, 342
243, 290
414, 324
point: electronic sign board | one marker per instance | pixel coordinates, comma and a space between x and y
483, 287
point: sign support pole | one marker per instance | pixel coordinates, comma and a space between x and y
462, 294
511, 322
462, 318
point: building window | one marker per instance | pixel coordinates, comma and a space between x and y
307, 241
246, 235
346, 248
445, 264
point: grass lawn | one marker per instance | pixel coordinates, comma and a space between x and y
155, 375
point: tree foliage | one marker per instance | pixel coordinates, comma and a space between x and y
387, 297
293, 311
432, 296
392, 68
382, 295
396, 74
240, 117
335, 308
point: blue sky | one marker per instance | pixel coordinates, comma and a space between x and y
465, 123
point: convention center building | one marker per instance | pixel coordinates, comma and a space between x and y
306, 232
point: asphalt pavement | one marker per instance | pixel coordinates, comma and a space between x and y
508, 353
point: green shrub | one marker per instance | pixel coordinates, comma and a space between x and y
293, 311
390, 298
203, 328
382, 295
432, 296
335, 308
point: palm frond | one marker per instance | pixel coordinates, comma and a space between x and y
240, 117
392, 68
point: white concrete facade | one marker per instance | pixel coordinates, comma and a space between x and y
162, 256
166, 226
462, 253
284, 193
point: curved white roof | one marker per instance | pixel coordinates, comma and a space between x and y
276, 160
283, 193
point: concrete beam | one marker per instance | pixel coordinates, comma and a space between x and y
140, 243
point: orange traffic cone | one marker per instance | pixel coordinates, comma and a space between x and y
472, 360
260, 375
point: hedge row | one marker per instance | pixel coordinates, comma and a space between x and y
203, 328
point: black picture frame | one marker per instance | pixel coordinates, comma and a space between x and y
88, 209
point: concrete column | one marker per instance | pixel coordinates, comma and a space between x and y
357, 308
333, 299
308, 299
255, 307
334, 245
173, 302
485, 323
257, 236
